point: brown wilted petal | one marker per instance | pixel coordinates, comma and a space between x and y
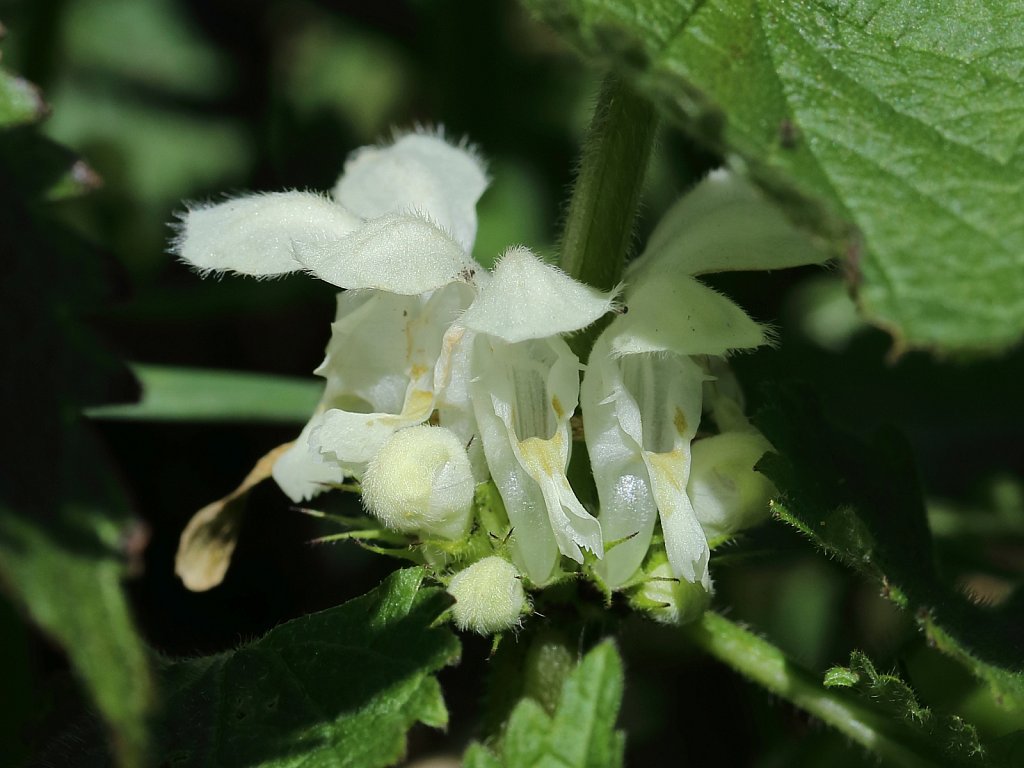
208, 541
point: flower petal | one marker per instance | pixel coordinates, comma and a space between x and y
253, 235
528, 299
676, 313
419, 173
301, 472
398, 253
725, 224
612, 428
524, 395
728, 494
383, 353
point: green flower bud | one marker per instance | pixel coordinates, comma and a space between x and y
668, 599
727, 494
489, 596
421, 481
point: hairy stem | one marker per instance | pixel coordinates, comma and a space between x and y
599, 224
763, 663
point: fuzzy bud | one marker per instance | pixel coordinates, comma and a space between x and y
727, 494
421, 481
489, 596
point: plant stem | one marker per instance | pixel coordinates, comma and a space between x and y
599, 224
767, 665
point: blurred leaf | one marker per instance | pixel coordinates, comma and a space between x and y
197, 394
20, 101
951, 735
150, 42
43, 169
66, 535
360, 76
70, 581
860, 503
848, 113
339, 687
581, 732
152, 150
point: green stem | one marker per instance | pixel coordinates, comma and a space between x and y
763, 663
599, 224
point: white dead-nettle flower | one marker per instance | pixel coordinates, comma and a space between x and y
489, 596
423, 330
397, 229
643, 390
420, 481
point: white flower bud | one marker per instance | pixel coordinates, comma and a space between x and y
421, 481
489, 596
668, 599
727, 494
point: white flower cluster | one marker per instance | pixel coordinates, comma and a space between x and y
441, 374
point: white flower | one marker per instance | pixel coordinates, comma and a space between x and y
399, 230
642, 393
426, 331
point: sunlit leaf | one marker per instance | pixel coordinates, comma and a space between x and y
893, 128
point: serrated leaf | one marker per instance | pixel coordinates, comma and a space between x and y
340, 687
197, 394
860, 502
581, 732
953, 737
890, 122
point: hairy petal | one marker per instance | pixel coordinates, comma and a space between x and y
528, 299
420, 173
725, 224
676, 313
253, 235
399, 253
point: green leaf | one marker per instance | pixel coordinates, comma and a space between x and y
68, 575
955, 738
581, 732
20, 101
892, 128
860, 502
340, 687
66, 534
195, 394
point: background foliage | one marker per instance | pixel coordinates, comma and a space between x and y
170, 100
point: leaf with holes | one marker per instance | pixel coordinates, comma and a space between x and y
893, 128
